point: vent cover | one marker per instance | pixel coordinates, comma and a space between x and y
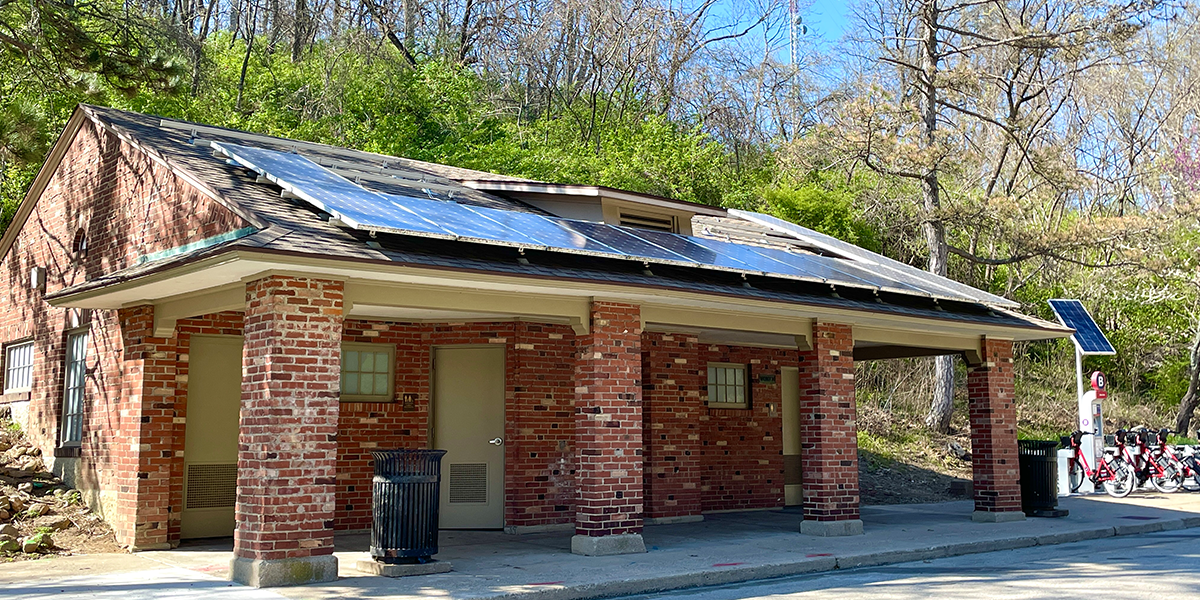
211, 486
468, 483
655, 222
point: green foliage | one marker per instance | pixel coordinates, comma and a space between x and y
828, 211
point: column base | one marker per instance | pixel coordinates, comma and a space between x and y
284, 571
607, 545
1008, 516
831, 528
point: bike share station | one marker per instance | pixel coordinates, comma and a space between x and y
1089, 341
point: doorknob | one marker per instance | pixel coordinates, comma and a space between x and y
497, 442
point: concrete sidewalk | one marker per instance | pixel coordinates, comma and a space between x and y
725, 548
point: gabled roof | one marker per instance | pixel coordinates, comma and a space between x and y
287, 226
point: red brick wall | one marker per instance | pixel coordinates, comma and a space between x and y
288, 430
994, 430
829, 450
608, 422
742, 454
128, 206
672, 375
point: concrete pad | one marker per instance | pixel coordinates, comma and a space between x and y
284, 572
385, 570
607, 545
831, 528
983, 516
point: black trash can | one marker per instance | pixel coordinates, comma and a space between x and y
405, 498
1038, 461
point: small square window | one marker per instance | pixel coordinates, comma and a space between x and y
367, 372
18, 367
727, 387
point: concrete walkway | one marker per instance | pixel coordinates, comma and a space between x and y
725, 548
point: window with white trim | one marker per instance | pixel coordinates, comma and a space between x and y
75, 389
368, 372
728, 386
18, 367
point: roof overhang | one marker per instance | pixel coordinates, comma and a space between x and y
402, 293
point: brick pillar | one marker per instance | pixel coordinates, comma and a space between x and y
148, 392
994, 434
608, 433
287, 444
829, 433
671, 381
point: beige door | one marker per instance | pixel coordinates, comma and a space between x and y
790, 382
468, 423
210, 446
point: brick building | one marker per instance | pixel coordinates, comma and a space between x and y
209, 331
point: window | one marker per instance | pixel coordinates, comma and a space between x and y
72, 419
727, 386
367, 372
18, 367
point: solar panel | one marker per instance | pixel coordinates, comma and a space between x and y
361, 208
1088, 337
935, 285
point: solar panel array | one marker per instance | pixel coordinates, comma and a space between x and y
1088, 337
368, 210
881, 264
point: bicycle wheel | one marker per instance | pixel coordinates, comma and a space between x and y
1075, 475
1124, 479
1172, 475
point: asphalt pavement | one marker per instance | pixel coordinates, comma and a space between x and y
1156, 565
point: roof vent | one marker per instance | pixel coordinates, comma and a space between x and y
647, 221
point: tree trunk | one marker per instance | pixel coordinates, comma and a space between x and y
1187, 406
942, 405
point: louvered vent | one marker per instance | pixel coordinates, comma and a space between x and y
468, 483
656, 222
211, 486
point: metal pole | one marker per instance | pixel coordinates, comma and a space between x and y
1078, 374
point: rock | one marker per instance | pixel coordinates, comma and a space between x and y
4, 515
17, 504
56, 523
31, 544
38, 509
4, 503
9, 530
25, 487
8, 544
4, 446
957, 451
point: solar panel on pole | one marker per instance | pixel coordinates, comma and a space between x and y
1087, 337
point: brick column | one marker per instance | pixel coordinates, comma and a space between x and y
287, 444
671, 376
608, 433
829, 433
994, 434
148, 390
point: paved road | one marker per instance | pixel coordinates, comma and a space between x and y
1159, 565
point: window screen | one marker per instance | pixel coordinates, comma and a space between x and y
727, 387
18, 367
367, 372
76, 382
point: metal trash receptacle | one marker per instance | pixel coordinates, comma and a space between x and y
1038, 463
405, 504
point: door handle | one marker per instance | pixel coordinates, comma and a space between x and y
497, 442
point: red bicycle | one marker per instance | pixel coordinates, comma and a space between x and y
1162, 466
1118, 477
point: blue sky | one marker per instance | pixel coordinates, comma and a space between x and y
826, 18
